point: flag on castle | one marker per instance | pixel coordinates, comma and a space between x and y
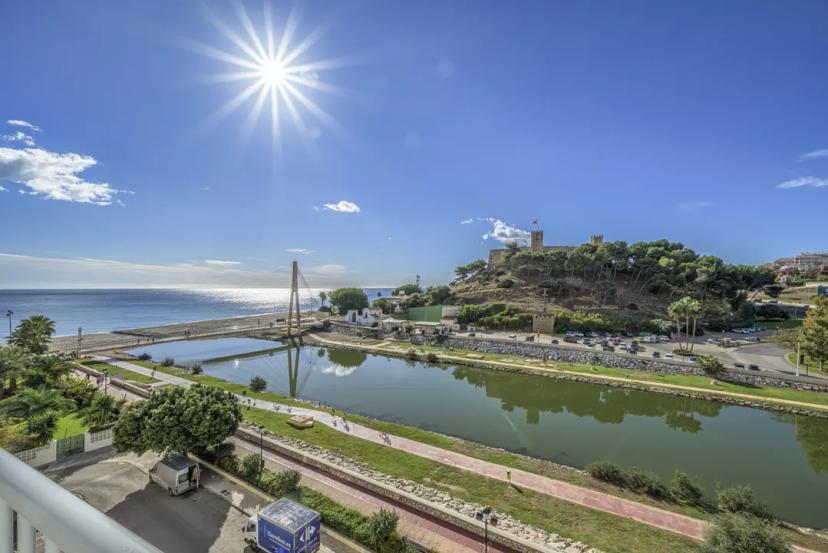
535, 222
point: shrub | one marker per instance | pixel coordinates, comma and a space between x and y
505, 283
411, 353
740, 499
711, 365
42, 426
685, 489
145, 356
381, 526
258, 384
744, 534
196, 368
168, 362
251, 466
607, 472
646, 482
432, 357
229, 464
81, 392
285, 482
213, 453
770, 311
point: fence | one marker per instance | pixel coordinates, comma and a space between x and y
429, 313
58, 449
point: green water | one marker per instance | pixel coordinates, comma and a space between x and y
784, 457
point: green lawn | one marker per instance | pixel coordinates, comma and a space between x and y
604, 531
810, 364
120, 373
70, 425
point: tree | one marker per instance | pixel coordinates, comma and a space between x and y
471, 269
686, 308
385, 305
103, 410
54, 367
744, 534
258, 384
34, 334
177, 420
770, 311
28, 402
438, 294
407, 289
740, 499
814, 332
323, 296
345, 299
13, 361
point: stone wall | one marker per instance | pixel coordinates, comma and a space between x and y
353, 330
551, 352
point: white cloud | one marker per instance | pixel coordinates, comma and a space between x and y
302, 251
24, 124
816, 154
54, 175
327, 270
343, 206
800, 182
466, 221
506, 234
2, 189
694, 206
19, 136
221, 262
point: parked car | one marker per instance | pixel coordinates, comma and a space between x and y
656, 355
738, 366
554, 341
609, 348
753, 367
472, 334
668, 356
692, 359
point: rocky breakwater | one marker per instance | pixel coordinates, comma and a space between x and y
528, 538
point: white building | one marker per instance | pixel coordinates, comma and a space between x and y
363, 316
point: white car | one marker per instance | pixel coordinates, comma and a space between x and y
668, 356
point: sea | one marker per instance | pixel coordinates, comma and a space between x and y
104, 310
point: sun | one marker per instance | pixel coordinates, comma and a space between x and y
273, 74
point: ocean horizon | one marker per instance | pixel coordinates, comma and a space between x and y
108, 309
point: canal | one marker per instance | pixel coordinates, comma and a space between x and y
783, 457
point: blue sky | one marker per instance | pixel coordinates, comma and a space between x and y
701, 122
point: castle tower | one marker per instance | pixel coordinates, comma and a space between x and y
596, 239
536, 245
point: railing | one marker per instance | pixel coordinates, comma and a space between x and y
66, 523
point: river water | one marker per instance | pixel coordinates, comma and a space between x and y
783, 457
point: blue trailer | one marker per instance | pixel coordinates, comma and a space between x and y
286, 527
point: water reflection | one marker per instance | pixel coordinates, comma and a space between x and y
812, 435
537, 395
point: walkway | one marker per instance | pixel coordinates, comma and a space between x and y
646, 514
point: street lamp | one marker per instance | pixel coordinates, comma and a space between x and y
486, 516
261, 450
106, 381
9, 314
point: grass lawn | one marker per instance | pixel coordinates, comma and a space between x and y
70, 425
810, 364
119, 372
604, 531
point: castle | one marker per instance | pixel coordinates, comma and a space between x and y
498, 256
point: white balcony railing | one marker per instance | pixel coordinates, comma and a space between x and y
66, 523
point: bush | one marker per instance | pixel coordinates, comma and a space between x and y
411, 353
607, 472
505, 283
229, 464
770, 311
432, 357
251, 466
168, 362
646, 482
285, 482
145, 357
196, 368
258, 384
711, 365
42, 426
744, 534
381, 527
214, 453
81, 392
740, 499
685, 489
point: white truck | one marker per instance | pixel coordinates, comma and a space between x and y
176, 474
284, 527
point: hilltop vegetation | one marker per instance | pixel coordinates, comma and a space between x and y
612, 280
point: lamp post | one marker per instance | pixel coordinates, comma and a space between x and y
106, 380
261, 450
9, 314
486, 516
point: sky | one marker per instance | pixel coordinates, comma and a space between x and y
138, 144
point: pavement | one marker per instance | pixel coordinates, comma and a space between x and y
207, 520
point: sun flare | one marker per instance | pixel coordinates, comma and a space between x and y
273, 74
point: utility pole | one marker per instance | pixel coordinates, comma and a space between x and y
9, 314
418, 281
80, 341
294, 298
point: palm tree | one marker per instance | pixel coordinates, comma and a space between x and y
34, 334
33, 401
687, 308
104, 409
322, 297
53, 366
13, 362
